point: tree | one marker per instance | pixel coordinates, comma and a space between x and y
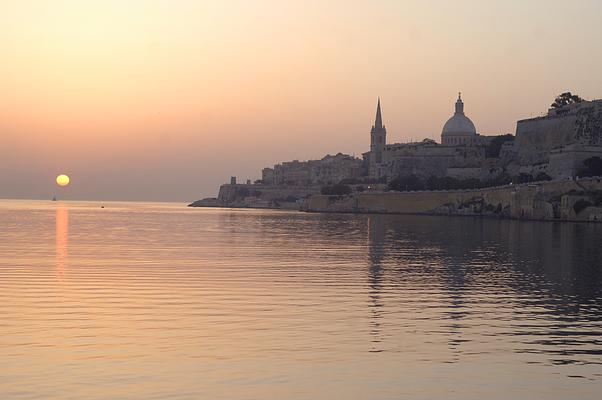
542, 176
449, 183
502, 179
593, 167
471, 183
493, 148
336, 190
405, 183
580, 205
524, 178
564, 99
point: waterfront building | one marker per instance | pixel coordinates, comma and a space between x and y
554, 145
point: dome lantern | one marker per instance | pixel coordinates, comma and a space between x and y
459, 104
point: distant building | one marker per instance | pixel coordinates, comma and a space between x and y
459, 129
555, 145
326, 171
378, 142
558, 142
267, 176
461, 153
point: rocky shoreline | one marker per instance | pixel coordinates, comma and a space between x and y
567, 200
570, 200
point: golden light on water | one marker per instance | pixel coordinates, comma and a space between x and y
62, 238
62, 180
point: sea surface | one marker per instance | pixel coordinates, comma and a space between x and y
161, 301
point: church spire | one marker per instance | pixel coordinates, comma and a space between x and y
378, 122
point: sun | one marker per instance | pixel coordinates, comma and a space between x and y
62, 180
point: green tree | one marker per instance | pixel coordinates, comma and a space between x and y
350, 181
336, 190
593, 167
524, 178
502, 179
493, 148
405, 183
565, 99
580, 205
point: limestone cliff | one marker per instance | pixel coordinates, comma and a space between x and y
560, 200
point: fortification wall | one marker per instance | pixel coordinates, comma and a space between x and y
397, 202
579, 123
264, 196
536, 137
545, 133
567, 162
546, 201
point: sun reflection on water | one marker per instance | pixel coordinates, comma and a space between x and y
220, 303
62, 238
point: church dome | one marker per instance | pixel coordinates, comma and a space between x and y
459, 124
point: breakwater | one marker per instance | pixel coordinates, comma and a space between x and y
567, 200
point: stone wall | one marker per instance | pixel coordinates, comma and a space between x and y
427, 158
536, 137
545, 201
264, 196
568, 161
467, 173
563, 138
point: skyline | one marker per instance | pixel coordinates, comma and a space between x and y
166, 100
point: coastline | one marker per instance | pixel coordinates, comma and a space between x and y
565, 201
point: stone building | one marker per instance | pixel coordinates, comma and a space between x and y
378, 143
459, 129
555, 144
326, 171
267, 176
461, 153
558, 142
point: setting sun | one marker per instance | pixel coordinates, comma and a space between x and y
300, 199
62, 180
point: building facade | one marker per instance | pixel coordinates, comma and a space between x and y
459, 129
560, 141
326, 171
461, 153
555, 144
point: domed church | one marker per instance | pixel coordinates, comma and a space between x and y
459, 129
461, 151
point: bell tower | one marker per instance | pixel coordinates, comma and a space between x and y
378, 140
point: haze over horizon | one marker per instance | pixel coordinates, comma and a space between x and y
165, 100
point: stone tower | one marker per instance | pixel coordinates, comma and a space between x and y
378, 140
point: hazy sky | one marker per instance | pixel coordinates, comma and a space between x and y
164, 100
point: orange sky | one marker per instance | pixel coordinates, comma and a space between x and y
164, 100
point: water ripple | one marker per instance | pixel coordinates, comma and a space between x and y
155, 301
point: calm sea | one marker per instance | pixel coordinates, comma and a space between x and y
160, 301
